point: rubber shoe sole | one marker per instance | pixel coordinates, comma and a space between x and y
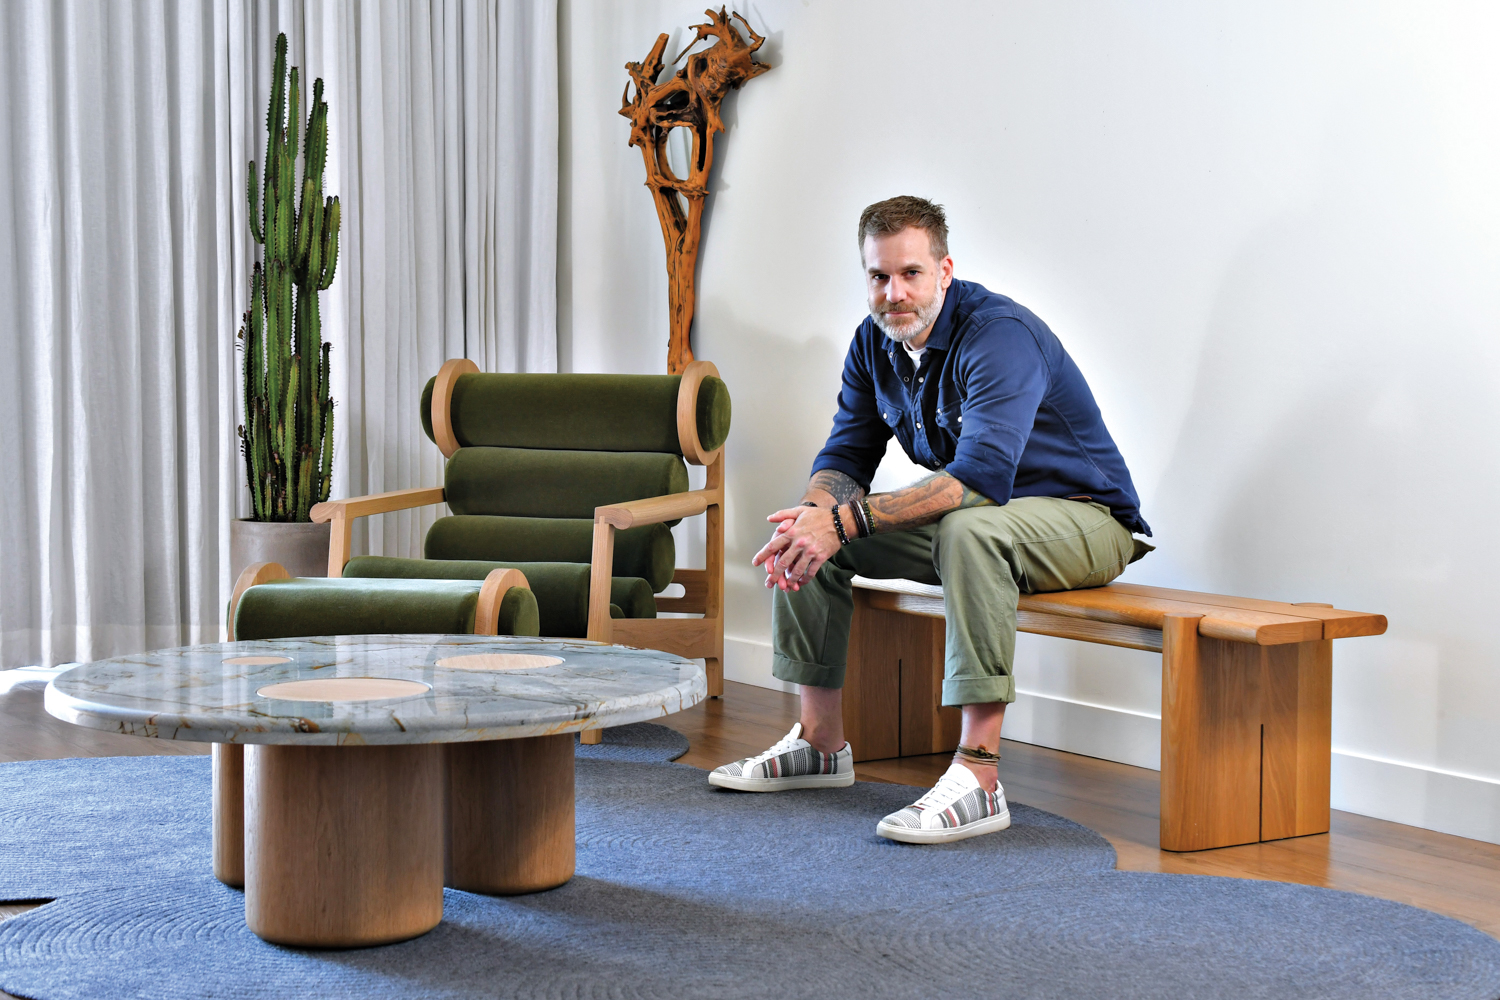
990, 824
780, 784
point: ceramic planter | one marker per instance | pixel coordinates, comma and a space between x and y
300, 546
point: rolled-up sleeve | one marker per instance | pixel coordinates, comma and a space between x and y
1005, 384
857, 442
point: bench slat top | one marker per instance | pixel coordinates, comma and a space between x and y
1337, 624
1238, 619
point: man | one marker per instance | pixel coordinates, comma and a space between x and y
1028, 494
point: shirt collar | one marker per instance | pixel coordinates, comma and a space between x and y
942, 330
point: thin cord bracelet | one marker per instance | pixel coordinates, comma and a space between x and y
978, 755
861, 526
861, 516
864, 505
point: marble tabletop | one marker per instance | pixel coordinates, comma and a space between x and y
436, 689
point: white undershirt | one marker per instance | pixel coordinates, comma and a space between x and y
916, 356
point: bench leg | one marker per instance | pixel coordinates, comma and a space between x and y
1297, 715
893, 687
1245, 740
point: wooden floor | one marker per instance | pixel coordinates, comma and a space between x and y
1451, 875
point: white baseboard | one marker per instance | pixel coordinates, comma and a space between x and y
1465, 805
749, 662
1434, 799
1080, 727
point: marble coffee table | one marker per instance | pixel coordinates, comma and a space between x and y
355, 776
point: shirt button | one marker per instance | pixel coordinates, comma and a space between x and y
960, 419
905, 379
919, 425
922, 379
885, 416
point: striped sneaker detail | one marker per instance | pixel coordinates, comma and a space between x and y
803, 760
791, 763
956, 808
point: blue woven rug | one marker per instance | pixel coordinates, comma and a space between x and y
686, 891
69, 826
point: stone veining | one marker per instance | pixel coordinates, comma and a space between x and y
190, 693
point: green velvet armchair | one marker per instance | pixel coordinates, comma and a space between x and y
575, 481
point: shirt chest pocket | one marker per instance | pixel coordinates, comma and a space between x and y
951, 418
891, 414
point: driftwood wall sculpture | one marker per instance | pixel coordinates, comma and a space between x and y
689, 99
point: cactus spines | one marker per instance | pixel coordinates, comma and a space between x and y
287, 436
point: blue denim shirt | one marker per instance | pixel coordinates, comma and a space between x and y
997, 402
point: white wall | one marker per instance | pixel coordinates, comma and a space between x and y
1270, 236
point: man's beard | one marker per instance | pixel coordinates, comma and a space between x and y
905, 331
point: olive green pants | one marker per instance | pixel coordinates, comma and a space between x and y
985, 558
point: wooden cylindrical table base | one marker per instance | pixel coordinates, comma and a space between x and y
229, 813
343, 845
510, 814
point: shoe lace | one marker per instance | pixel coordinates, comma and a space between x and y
940, 796
787, 742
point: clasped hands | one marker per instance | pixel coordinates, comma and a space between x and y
803, 541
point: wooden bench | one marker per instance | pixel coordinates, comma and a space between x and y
1246, 694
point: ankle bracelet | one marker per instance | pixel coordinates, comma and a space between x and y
978, 755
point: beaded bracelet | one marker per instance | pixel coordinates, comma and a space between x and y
838, 525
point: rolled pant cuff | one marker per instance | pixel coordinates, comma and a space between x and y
784, 668
978, 690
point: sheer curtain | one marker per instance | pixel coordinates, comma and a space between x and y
124, 262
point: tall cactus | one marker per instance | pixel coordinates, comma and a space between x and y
287, 436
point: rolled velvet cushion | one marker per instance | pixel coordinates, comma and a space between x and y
561, 589
307, 606
584, 412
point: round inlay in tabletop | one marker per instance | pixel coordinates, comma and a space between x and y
355, 775
474, 688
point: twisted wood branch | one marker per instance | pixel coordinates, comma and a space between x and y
689, 99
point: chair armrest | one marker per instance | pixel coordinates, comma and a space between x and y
376, 503
252, 576
610, 517
496, 585
341, 512
656, 509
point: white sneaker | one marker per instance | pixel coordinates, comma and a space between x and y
791, 763
957, 808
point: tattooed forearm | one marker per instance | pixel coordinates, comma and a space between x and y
973, 498
922, 503
838, 487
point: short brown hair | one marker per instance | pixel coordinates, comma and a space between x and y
886, 218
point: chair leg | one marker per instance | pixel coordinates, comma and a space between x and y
714, 665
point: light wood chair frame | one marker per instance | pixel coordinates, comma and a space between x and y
703, 588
